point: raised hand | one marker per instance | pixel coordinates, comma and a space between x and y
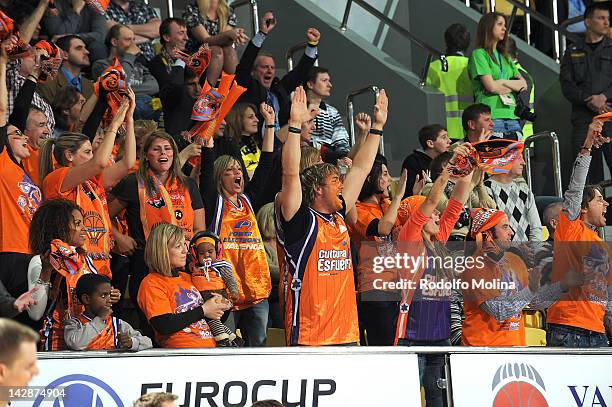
299, 107
381, 109
400, 190
120, 115
363, 121
594, 136
267, 112
420, 181
313, 36
268, 22
132, 100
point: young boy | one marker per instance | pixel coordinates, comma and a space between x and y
211, 274
434, 141
95, 328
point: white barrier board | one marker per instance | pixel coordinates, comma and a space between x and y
496, 380
324, 380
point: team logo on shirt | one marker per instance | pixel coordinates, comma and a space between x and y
30, 197
243, 224
518, 384
157, 203
94, 226
596, 261
188, 299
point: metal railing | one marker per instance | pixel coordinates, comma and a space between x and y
350, 113
560, 32
431, 51
291, 51
556, 158
254, 16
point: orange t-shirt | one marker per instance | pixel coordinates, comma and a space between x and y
91, 198
19, 199
580, 249
479, 327
366, 213
321, 305
243, 247
31, 165
160, 295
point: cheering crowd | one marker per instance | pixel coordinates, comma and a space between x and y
223, 200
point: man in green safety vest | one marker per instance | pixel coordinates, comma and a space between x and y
530, 103
454, 81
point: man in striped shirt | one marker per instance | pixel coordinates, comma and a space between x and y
329, 131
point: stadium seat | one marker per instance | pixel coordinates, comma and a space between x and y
535, 337
533, 319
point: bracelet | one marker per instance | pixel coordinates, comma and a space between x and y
377, 132
270, 126
585, 148
295, 130
35, 78
41, 282
313, 43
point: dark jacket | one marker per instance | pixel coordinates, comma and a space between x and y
176, 102
281, 88
415, 163
585, 72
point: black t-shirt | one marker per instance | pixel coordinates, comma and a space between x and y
127, 192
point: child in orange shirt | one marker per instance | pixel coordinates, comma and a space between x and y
210, 273
95, 328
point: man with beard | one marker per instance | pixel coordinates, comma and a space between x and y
71, 71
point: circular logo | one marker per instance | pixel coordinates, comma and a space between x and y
518, 385
519, 394
81, 390
178, 215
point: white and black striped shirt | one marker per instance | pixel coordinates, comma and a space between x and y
330, 130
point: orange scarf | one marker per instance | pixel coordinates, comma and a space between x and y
169, 204
108, 338
97, 224
71, 265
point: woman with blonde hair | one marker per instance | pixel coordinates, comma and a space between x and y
83, 177
157, 193
172, 304
230, 213
494, 75
310, 156
211, 22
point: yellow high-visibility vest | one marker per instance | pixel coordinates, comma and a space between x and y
457, 88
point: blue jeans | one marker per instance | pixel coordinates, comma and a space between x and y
508, 129
431, 371
566, 336
252, 322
